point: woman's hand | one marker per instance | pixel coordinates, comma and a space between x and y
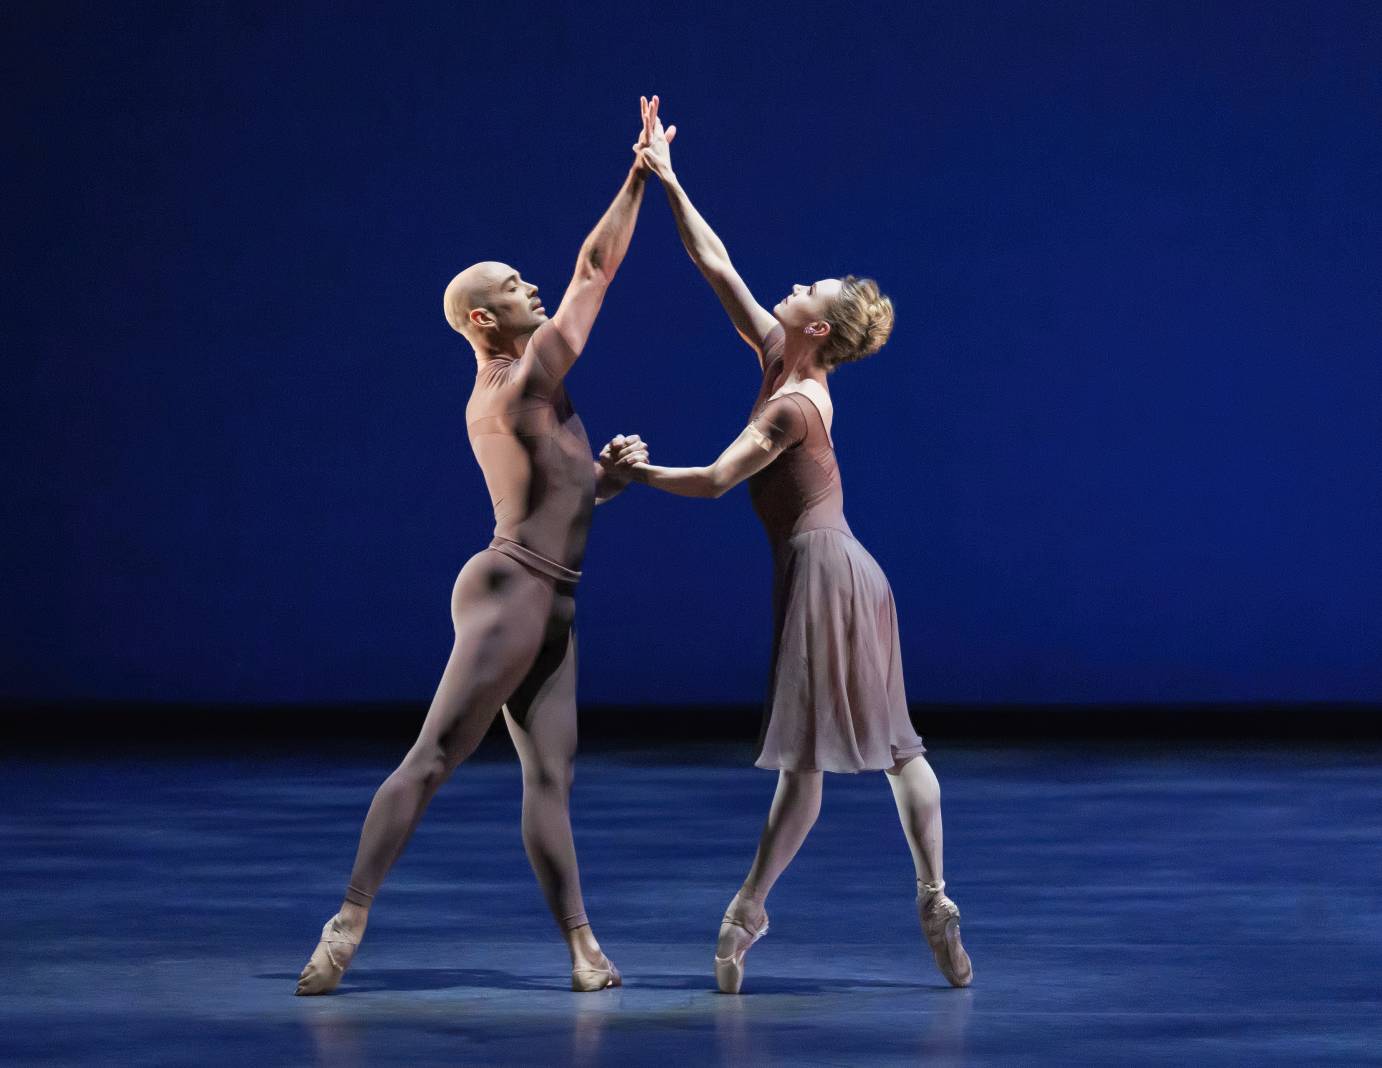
652, 149
621, 455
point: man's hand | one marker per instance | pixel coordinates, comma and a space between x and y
645, 135
618, 465
652, 148
621, 454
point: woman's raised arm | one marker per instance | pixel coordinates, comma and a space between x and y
703, 245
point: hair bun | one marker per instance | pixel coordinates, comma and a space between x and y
862, 320
880, 324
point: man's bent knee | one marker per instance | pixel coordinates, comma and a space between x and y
428, 766
549, 777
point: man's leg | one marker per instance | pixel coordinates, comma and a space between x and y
500, 611
541, 716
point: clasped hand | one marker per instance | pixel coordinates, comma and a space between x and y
621, 457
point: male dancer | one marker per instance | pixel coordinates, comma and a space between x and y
513, 604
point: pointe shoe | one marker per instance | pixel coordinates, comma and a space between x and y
729, 971
329, 960
586, 978
940, 923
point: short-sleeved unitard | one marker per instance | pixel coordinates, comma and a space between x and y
515, 644
535, 456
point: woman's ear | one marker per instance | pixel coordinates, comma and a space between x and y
819, 328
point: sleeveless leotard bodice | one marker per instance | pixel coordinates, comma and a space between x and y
800, 490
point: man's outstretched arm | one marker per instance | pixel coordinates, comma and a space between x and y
601, 254
704, 246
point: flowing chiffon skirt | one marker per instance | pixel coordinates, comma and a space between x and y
836, 700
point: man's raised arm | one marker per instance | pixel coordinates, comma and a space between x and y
703, 245
600, 257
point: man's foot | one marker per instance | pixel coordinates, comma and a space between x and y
940, 922
330, 959
590, 968
745, 922
597, 974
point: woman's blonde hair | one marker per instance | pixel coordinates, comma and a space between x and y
861, 318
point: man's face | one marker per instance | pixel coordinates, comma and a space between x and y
512, 303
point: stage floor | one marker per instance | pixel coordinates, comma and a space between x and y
1135, 906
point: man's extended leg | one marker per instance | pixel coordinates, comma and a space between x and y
541, 717
500, 611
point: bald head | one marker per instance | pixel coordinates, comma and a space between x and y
472, 289
490, 304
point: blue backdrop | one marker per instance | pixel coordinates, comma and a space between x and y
1123, 445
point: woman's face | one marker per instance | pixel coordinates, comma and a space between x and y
807, 303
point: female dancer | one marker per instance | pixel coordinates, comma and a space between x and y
836, 700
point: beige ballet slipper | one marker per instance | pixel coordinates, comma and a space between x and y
329, 960
587, 977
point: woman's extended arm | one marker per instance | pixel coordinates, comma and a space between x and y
704, 246
778, 426
748, 454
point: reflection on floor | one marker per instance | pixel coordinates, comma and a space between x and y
1121, 907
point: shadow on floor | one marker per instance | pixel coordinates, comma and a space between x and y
417, 979
769, 984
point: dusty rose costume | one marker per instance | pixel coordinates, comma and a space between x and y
836, 700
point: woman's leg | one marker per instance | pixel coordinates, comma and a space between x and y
796, 804
918, 797
500, 610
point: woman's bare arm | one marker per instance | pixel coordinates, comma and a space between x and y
748, 454
704, 246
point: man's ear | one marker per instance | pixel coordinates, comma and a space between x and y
820, 328
480, 318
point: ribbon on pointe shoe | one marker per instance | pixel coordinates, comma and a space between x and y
729, 971
734, 921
